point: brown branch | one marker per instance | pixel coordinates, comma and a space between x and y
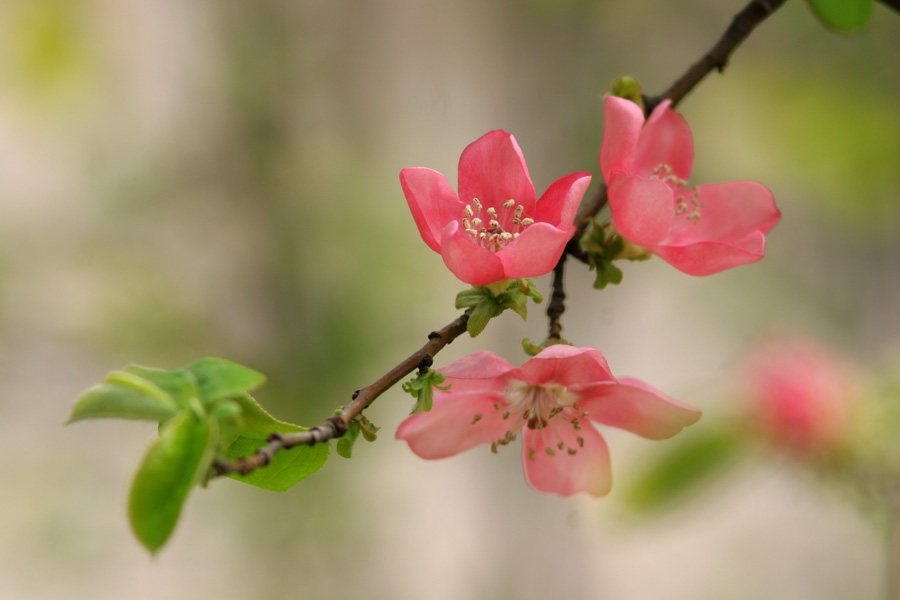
717, 58
336, 426
894, 4
557, 305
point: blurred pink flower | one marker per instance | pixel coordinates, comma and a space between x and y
699, 231
801, 395
551, 398
494, 229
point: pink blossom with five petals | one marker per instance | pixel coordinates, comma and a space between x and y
646, 166
495, 229
551, 400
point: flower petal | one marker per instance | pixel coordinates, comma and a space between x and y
665, 140
566, 365
481, 371
622, 124
642, 209
453, 426
587, 470
535, 252
706, 258
467, 260
637, 407
730, 211
560, 202
432, 201
493, 169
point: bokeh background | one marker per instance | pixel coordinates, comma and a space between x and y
183, 179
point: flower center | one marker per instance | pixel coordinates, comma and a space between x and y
543, 409
685, 204
492, 229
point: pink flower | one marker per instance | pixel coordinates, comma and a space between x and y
494, 229
801, 395
550, 400
699, 231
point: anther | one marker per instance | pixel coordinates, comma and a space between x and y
560, 445
580, 441
477, 204
509, 204
468, 210
550, 452
506, 415
466, 224
527, 221
476, 222
571, 451
472, 232
477, 418
506, 236
531, 455
519, 210
492, 211
494, 223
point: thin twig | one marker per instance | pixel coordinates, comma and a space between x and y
894, 4
336, 426
557, 305
717, 58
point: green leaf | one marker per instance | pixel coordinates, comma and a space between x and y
483, 312
345, 442
181, 385
122, 401
842, 15
287, 466
219, 378
687, 462
470, 297
173, 465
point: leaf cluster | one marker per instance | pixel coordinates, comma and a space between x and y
486, 304
203, 411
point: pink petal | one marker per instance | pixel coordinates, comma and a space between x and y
622, 124
587, 470
635, 406
432, 201
560, 202
665, 140
642, 209
535, 252
730, 211
492, 169
566, 365
467, 260
481, 371
707, 258
453, 426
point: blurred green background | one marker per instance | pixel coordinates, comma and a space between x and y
182, 179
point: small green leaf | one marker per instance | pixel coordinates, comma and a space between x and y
173, 465
483, 312
686, 462
842, 15
219, 378
345, 443
287, 466
470, 297
124, 396
181, 385
629, 88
